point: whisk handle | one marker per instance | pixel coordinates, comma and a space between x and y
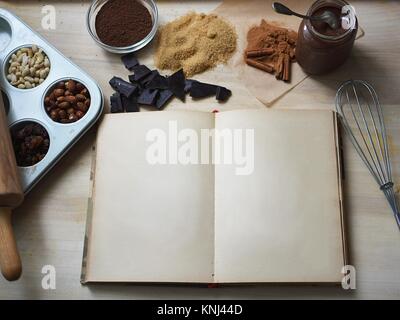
397, 217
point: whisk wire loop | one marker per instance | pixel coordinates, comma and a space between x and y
361, 115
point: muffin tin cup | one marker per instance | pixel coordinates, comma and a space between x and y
21, 124
6, 65
51, 87
28, 104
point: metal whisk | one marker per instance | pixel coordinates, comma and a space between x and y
361, 115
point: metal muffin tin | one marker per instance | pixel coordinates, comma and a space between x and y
28, 104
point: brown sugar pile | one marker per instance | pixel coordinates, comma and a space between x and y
195, 42
271, 49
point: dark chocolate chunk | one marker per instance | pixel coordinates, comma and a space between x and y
123, 87
116, 103
176, 83
132, 79
163, 98
140, 72
223, 94
113, 82
146, 80
188, 84
130, 104
148, 97
158, 82
130, 61
200, 90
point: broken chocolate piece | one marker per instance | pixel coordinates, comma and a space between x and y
148, 97
223, 94
176, 83
158, 82
146, 80
140, 72
130, 104
200, 90
132, 79
130, 61
116, 103
163, 98
124, 87
188, 84
113, 82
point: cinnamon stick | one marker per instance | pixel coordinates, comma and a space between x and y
279, 67
259, 65
286, 68
273, 46
259, 53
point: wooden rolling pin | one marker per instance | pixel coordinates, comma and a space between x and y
11, 196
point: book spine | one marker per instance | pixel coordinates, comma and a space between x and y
341, 177
89, 214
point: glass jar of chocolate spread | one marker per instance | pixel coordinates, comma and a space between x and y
320, 48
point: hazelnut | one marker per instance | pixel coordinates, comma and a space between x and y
52, 97
62, 114
53, 115
58, 92
70, 99
81, 106
60, 85
79, 87
64, 105
80, 97
85, 92
79, 114
47, 101
72, 117
71, 86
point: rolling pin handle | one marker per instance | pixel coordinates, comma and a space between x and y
10, 262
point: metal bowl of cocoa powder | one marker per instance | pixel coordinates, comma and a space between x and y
122, 26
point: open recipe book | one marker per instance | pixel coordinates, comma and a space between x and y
266, 208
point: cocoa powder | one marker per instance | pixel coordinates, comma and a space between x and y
121, 23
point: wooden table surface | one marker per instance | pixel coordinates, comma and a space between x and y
50, 225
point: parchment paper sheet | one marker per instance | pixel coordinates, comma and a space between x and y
244, 15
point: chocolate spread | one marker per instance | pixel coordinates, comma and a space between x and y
324, 28
320, 48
